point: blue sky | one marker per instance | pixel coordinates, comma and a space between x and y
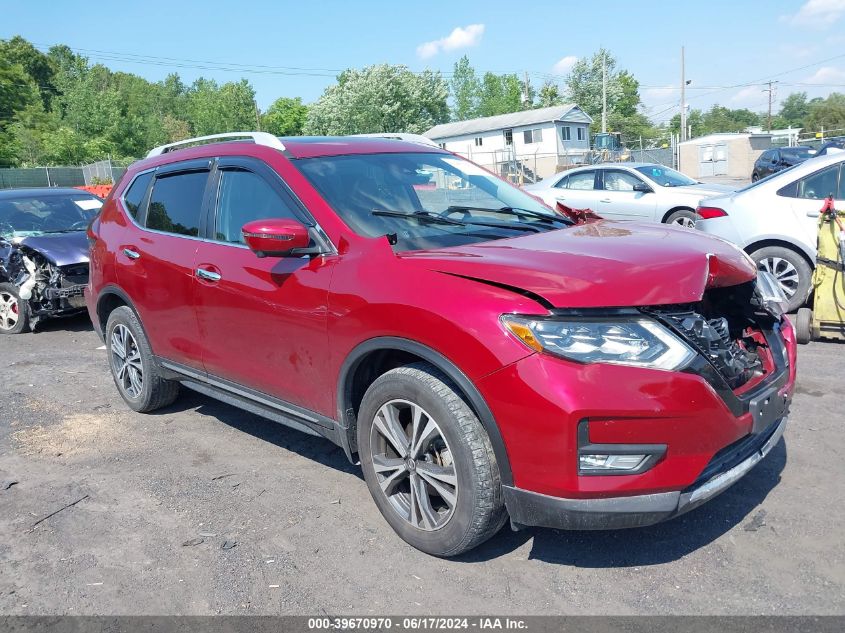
296, 48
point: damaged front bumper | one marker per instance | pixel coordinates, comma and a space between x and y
528, 508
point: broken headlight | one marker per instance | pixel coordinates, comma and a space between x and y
770, 293
635, 341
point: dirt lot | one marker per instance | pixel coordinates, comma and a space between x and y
287, 526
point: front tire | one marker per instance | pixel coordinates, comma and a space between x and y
428, 462
683, 217
791, 271
14, 312
135, 374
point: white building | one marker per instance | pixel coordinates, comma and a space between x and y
528, 144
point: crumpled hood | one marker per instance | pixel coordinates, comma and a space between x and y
604, 264
61, 249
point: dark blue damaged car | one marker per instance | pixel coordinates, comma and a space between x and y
43, 254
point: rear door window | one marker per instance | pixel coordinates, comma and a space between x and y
819, 185
176, 203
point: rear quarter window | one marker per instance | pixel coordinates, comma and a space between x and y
137, 192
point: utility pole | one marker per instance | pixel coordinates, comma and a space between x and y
603, 91
526, 93
771, 90
683, 100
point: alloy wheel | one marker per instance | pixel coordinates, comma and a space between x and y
783, 271
9, 311
126, 361
413, 465
687, 223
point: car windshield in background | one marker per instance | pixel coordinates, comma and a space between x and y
36, 215
425, 200
665, 177
798, 153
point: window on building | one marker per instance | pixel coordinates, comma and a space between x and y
566, 133
582, 134
533, 136
508, 137
479, 141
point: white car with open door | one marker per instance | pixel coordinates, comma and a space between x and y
628, 191
776, 220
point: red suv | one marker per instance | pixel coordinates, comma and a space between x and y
483, 357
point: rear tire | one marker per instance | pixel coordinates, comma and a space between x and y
14, 313
790, 269
804, 326
436, 482
685, 218
135, 374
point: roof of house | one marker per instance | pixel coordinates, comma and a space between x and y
514, 119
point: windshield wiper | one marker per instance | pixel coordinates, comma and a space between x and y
515, 211
433, 218
423, 216
62, 231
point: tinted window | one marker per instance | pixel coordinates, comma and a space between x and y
620, 181
766, 157
581, 180
820, 185
176, 203
244, 197
134, 196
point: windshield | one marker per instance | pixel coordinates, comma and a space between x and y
425, 200
36, 215
666, 177
798, 153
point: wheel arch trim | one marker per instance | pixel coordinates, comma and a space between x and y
677, 207
115, 291
467, 387
782, 242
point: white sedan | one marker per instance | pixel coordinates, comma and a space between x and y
628, 191
775, 220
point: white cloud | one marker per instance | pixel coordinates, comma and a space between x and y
826, 75
460, 37
749, 97
817, 13
564, 65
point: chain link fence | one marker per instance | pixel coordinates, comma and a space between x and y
101, 172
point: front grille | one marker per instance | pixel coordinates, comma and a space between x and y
734, 454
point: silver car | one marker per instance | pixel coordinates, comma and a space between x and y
775, 220
628, 191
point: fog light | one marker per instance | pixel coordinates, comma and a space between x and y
610, 462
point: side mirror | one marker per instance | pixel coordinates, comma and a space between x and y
643, 188
275, 237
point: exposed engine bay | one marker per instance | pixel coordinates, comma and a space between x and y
46, 289
727, 326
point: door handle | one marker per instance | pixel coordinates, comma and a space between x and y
131, 254
605, 200
208, 275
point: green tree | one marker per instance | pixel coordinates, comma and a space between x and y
213, 109
466, 91
549, 95
500, 94
36, 64
381, 98
826, 113
794, 109
285, 117
584, 83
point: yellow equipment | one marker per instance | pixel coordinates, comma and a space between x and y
827, 318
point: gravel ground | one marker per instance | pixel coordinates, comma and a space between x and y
203, 509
